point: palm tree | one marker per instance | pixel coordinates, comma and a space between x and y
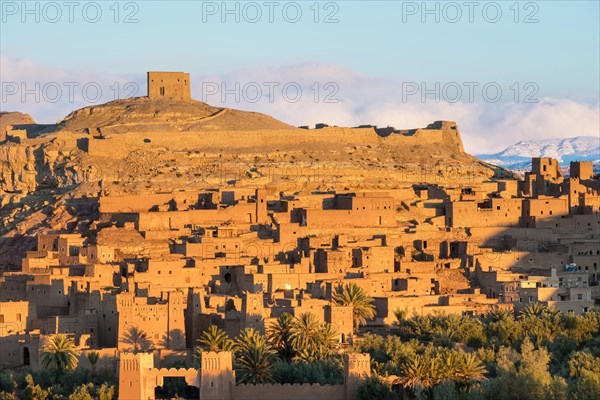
255, 365
215, 339
305, 333
470, 369
420, 372
93, 357
59, 354
400, 315
353, 295
322, 341
448, 364
328, 338
498, 314
445, 336
279, 335
247, 339
137, 338
254, 358
534, 310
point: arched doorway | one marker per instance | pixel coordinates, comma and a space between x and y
26, 356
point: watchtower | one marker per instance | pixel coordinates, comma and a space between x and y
342, 318
253, 310
261, 206
176, 322
132, 375
546, 167
169, 85
581, 170
357, 367
217, 376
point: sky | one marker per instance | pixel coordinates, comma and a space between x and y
504, 71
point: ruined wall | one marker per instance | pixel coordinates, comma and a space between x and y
120, 145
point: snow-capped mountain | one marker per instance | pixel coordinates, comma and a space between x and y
518, 156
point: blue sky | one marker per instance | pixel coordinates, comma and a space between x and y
374, 42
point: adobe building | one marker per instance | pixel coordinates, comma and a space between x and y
169, 85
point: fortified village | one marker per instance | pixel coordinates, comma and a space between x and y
165, 215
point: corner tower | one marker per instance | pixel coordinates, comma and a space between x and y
217, 375
132, 375
356, 368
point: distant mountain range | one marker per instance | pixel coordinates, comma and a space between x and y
518, 156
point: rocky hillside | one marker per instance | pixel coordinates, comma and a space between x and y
12, 118
51, 180
142, 114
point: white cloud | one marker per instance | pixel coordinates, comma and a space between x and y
485, 127
49, 94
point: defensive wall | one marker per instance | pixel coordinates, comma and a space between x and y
215, 380
263, 139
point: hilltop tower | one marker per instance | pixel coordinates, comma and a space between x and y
169, 85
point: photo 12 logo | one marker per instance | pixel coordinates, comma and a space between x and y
469, 92
255, 92
453, 12
71, 92
253, 12
53, 12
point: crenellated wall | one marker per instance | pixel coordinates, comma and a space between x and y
216, 380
